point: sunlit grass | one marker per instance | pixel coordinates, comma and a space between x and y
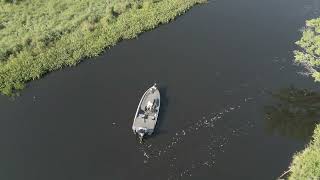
39, 36
306, 164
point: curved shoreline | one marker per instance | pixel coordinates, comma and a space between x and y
88, 40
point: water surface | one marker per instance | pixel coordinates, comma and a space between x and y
217, 66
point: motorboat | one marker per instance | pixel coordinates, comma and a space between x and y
147, 113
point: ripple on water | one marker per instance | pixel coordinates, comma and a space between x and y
216, 143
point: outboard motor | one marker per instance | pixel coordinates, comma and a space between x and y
141, 132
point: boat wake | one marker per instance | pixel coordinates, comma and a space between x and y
214, 144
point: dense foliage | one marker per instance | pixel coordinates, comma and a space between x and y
306, 164
309, 53
39, 36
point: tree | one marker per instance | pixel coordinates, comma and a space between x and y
309, 53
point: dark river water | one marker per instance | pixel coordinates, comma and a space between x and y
228, 111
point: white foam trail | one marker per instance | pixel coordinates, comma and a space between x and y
216, 144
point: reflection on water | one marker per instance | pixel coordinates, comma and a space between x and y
295, 114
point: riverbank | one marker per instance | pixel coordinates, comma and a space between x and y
306, 164
37, 37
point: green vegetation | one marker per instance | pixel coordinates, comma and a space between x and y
39, 36
306, 164
309, 54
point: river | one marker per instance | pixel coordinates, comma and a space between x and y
217, 66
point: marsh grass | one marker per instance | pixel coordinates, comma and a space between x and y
40, 36
306, 164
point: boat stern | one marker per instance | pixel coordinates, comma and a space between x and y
141, 132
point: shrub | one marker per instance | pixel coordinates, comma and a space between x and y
309, 53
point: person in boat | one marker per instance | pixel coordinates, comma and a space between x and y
150, 105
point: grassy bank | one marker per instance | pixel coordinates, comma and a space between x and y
309, 52
39, 36
306, 164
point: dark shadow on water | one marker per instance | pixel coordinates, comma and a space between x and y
295, 113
